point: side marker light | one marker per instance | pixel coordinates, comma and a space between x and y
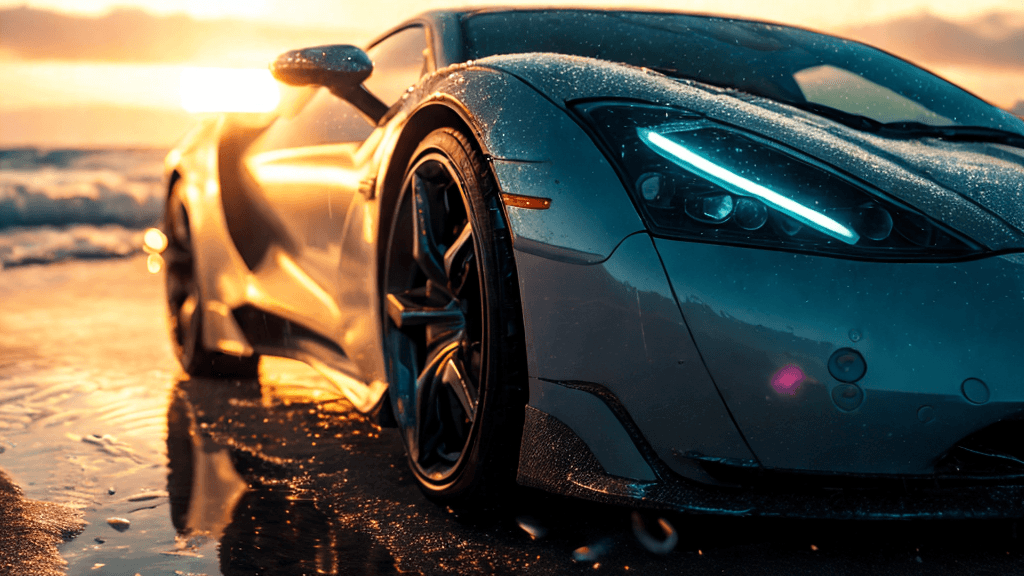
532, 202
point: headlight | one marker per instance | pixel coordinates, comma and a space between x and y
700, 180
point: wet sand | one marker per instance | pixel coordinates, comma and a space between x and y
85, 373
31, 531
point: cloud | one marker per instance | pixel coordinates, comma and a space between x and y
995, 40
132, 35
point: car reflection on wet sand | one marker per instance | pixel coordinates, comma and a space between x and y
293, 486
231, 487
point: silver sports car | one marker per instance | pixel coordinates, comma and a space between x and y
656, 259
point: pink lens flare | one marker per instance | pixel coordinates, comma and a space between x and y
788, 379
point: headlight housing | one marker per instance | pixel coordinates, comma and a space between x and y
696, 179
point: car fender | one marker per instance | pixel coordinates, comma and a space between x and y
585, 263
538, 151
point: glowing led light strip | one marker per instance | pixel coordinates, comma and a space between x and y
737, 184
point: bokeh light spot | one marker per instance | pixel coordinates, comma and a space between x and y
788, 379
154, 263
154, 241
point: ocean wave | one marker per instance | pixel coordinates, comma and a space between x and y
48, 244
66, 187
140, 160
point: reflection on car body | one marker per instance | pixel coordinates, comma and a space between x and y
656, 259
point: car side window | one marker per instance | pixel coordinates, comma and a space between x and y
398, 62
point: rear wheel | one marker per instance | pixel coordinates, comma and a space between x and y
453, 327
184, 303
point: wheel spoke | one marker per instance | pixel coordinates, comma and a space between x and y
430, 434
457, 259
428, 427
446, 400
403, 368
415, 308
455, 377
425, 249
187, 311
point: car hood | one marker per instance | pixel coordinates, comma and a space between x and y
977, 188
987, 174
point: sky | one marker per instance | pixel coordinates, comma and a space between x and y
382, 13
77, 75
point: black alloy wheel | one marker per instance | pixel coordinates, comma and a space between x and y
184, 303
453, 333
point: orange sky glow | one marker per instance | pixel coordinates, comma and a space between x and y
380, 14
77, 74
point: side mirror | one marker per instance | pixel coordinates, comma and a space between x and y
340, 68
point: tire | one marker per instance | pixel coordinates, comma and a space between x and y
453, 327
184, 301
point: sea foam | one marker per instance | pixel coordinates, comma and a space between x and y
76, 204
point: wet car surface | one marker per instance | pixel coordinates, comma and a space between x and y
281, 476
641, 258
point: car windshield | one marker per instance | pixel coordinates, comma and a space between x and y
850, 82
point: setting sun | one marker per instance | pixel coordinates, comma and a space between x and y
228, 90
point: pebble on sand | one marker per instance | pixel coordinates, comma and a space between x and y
119, 524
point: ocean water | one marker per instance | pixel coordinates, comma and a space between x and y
76, 204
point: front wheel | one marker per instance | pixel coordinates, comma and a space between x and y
184, 304
453, 326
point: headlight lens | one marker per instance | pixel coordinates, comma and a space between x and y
697, 179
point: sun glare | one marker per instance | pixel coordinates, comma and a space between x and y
228, 90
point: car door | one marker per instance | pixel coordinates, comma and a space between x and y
308, 167
399, 61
